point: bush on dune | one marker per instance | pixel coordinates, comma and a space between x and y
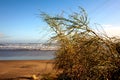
83, 54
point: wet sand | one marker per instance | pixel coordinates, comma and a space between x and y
14, 69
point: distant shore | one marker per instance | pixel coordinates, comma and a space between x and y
28, 46
24, 50
11, 69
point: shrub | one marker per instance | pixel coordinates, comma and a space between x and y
83, 54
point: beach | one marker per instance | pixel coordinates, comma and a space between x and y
24, 69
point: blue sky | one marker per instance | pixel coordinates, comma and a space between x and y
20, 21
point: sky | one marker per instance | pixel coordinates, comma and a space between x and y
20, 21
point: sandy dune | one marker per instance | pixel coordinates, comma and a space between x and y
12, 70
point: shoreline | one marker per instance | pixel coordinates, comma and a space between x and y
27, 50
49, 60
10, 69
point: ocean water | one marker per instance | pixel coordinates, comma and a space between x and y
26, 55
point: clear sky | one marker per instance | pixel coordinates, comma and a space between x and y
20, 20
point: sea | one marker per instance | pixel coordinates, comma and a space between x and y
27, 54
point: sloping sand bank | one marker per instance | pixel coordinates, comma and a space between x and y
24, 69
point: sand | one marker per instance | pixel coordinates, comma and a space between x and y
24, 69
